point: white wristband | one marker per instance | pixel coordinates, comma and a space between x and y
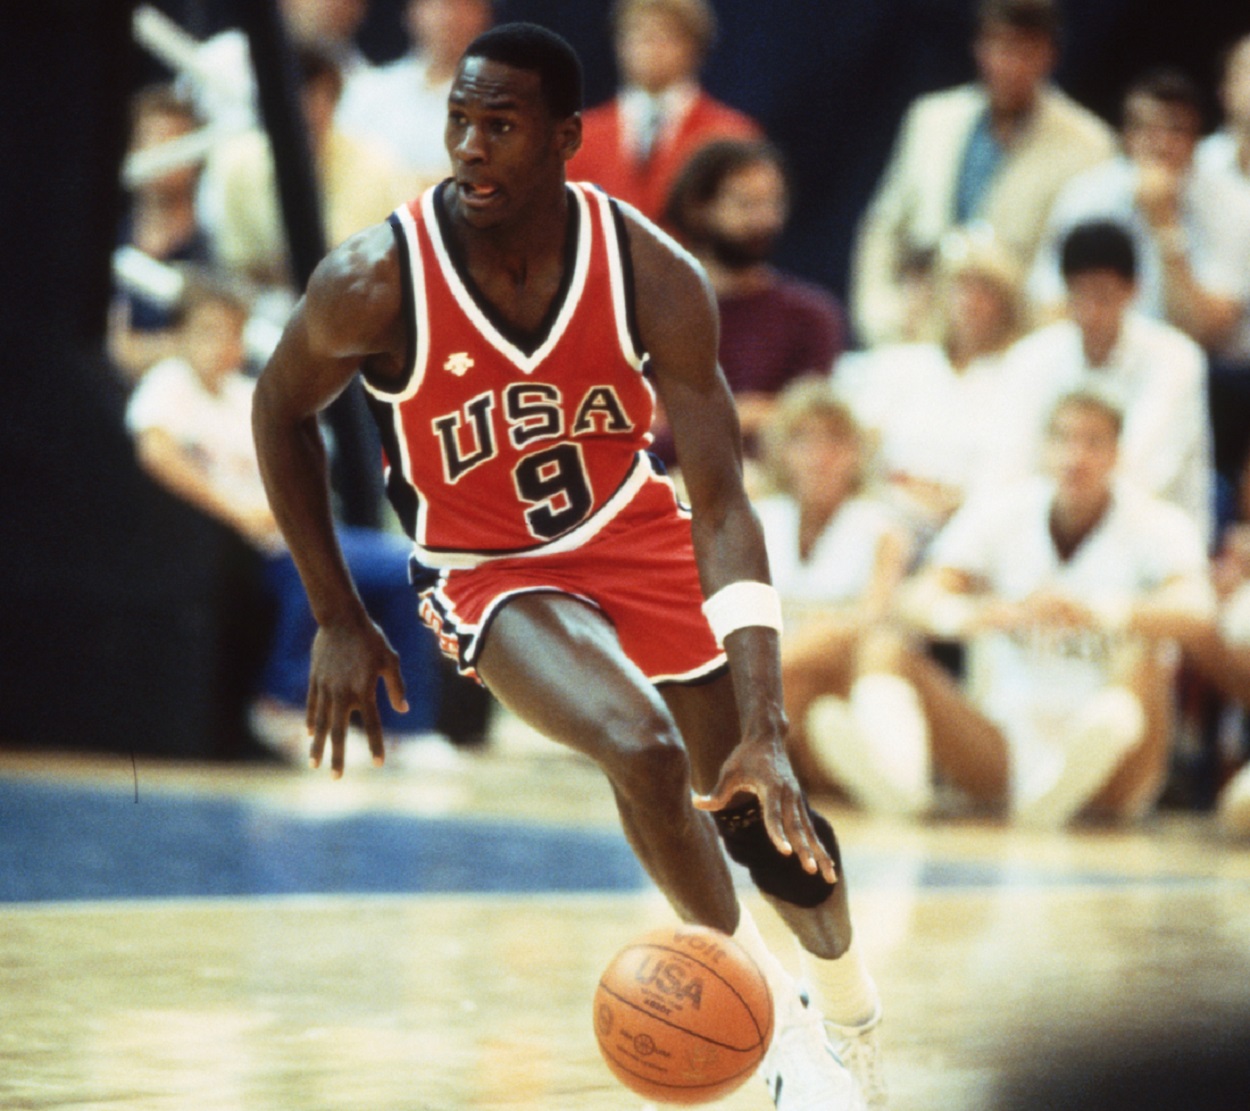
740, 605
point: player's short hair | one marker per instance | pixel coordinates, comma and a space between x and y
1036, 17
705, 173
531, 47
811, 396
1098, 245
1169, 86
696, 17
1091, 401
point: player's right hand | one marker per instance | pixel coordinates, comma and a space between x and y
347, 662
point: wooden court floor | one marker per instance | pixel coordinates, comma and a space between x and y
466, 984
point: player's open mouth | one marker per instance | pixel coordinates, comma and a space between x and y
476, 194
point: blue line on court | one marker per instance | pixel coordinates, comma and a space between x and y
66, 843
63, 843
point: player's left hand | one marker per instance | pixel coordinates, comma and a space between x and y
763, 770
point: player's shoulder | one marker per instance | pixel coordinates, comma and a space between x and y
356, 290
660, 264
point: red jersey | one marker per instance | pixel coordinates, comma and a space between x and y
498, 444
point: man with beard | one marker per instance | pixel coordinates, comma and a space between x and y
729, 207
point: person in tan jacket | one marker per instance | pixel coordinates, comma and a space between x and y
994, 152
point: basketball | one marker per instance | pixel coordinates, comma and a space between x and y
683, 1015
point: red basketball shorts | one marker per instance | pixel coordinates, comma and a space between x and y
639, 572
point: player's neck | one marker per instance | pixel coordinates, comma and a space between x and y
531, 237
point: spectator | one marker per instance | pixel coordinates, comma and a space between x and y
191, 421
993, 152
161, 222
636, 144
403, 105
836, 553
1190, 228
359, 184
730, 206
223, 87
1153, 372
1067, 588
939, 411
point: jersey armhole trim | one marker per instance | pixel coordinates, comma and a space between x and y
409, 275
624, 294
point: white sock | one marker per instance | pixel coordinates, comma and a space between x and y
851, 996
891, 719
780, 982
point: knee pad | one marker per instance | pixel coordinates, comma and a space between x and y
783, 877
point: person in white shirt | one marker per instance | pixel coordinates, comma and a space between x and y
191, 421
403, 105
1190, 227
836, 554
1068, 589
1152, 371
938, 411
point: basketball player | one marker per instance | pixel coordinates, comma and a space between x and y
510, 329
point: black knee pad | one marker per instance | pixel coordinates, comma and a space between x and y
783, 877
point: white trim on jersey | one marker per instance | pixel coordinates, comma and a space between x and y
421, 350
616, 271
526, 364
637, 478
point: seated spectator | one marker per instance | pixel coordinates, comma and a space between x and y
161, 222
1190, 228
836, 554
994, 152
729, 206
1067, 589
191, 420
359, 184
939, 411
636, 144
1153, 372
402, 106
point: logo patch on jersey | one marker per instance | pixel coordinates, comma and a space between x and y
459, 363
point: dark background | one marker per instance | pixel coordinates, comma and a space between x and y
126, 620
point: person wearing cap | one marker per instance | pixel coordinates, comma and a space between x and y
995, 151
938, 409
635, 145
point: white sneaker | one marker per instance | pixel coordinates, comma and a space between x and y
1234, 804
849, 755
1111, 724
802, 1069
860, 1051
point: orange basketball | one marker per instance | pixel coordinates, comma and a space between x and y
683, 1015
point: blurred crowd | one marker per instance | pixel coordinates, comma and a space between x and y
1004, 488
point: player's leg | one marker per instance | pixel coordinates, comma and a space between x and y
817, 913
556, 663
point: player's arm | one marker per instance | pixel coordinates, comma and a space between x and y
679, 325
349, 314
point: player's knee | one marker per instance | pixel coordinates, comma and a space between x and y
776, 874
649, 764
